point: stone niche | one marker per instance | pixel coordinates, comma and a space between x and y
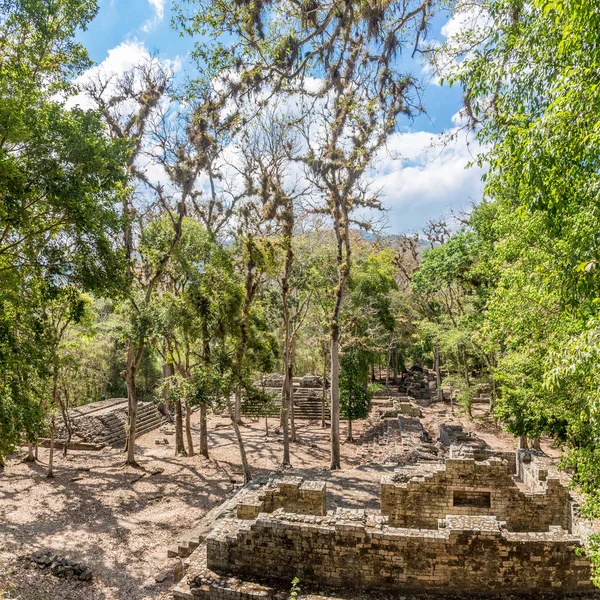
463, 486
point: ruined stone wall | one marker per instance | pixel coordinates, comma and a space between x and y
467, 554
466, 487
292, 494
483, 454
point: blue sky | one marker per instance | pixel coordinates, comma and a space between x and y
428, 183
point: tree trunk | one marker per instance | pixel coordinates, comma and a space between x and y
30, 455
238, 406
188, 429
203, 432
50, 474
179, 447
203, 408
64, 409
387, 369
466, 365
288, 387
350, 438
324, 399
292, 361
240, 441
522, 443
131, 375
285, 398
438, 372
342, 236
535, 443
335, 402
250, 287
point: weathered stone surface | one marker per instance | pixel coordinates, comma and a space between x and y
455, 435
464, 486
473, 530
104, 423
290, 493
467, 554
59, 566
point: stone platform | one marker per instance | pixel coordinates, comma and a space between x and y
464, 528
104, 423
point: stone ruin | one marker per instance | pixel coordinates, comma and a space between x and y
308, 397
455, 435
104, 423
58, 565
467, 526
393, 441
418, 383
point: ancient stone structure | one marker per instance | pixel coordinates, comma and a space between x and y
292, 494
104, 423
392, 441
463, 486
463, 527
454, 435
456, 517
465, 554
308, 397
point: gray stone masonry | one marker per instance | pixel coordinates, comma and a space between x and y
465, 487
355, 549
293, 494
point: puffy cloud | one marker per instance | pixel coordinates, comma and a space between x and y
469, 25
119, 60
423, 176
159, 14
159, 7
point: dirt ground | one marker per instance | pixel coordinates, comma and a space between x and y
121, 520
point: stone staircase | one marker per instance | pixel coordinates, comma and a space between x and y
148, 418
104, 423
308, 404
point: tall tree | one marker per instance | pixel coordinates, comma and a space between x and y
136, 110
352, 50
61, 180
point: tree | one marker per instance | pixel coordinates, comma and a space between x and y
61, 180
352, 51
530, 73
136, 110
268, 150
355, 396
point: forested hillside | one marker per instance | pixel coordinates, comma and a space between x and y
174, 237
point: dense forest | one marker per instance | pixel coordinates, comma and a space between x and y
173, 240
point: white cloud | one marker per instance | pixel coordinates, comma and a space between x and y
423, 175
119, 60
159, 15
159, 7
469, 25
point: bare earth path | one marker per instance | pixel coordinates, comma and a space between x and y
120, 520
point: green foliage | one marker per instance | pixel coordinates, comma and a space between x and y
530, 75
61, 181
295, 591
355, 394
